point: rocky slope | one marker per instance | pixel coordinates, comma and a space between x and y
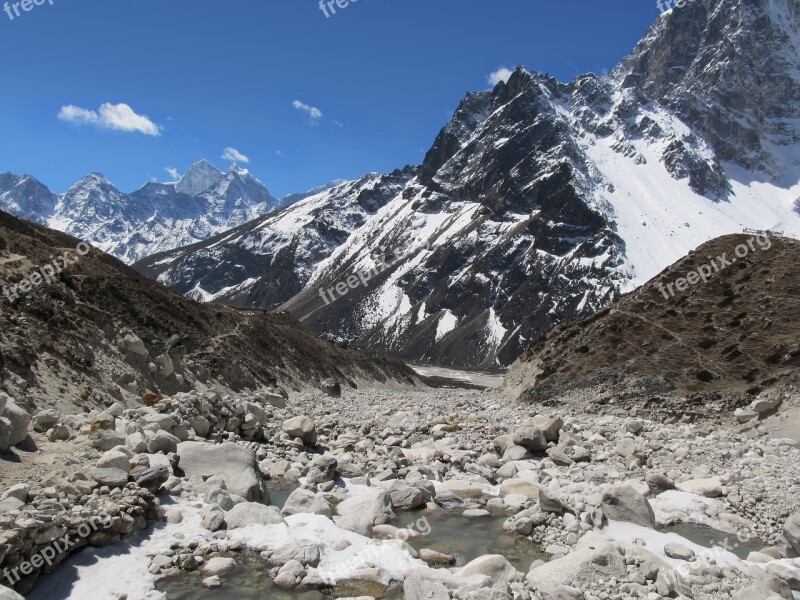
717, 343
154, 218
540, 202
387, 495
91, 331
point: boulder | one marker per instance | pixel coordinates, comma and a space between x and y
659, 483
579, 568
493, 566
305, 501
360, 513
406, 497
105, 440
710, 488
550, 503
19, 419
219, 565
113, 478
252, 513
303, 551
212, 517
550, 426
234, 464
114, 459
5, 434
162, 442
791, 531
767, 587
301, 427
531, 438
152, 479
331, 387
9, 594
623, 503
520, 486
679, 552
45, 419
322, 469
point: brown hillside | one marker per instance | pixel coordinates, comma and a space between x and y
61, 344
711, 346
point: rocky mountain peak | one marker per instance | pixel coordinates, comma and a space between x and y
201, 176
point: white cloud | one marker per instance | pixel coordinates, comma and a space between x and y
234, 155
279, 153
173, 172
312, 111
502, 74
120, 117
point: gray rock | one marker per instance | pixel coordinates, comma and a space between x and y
60, 433
152, 479
301, 427
361, 513
162, 442
212, 517
566, 592
767, 587
304, 552
113, 459
623, 503
788, 575
234, 464
19, 419
579, 568
331, 387
113, 478
679, 552
549, 503
406, 497
791, 531
531, 438
219, 565
658, 483
9, 594
252, 513
5, 434
45, 419
494, 566
105, 440
305, 501
322, 469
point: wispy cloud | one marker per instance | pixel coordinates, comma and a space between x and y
120, 117
502, 74
312, 111
279, 153
234, 155
173, 172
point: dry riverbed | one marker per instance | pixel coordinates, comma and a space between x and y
437, 493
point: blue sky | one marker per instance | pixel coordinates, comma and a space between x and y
254, 76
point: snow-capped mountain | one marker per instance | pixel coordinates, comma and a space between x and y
154, 218
540, 201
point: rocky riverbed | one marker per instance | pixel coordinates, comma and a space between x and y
374, 473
